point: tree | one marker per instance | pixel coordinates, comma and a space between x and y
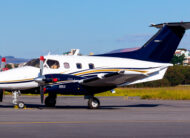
175, 75
8, 66
178, 60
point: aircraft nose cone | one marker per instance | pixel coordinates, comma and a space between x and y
15, 78
19, 74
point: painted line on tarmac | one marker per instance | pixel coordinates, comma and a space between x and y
99, 121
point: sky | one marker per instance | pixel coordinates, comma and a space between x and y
33, 28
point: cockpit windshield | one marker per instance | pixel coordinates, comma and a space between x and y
33, 63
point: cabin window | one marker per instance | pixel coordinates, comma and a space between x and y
53, 64
66, 65
79, 66
91, 66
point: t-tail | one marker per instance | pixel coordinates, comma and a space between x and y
161, 47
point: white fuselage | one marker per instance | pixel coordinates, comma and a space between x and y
23, 77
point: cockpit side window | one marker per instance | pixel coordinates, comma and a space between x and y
53, 64
33, 63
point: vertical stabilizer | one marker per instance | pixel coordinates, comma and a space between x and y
161, 47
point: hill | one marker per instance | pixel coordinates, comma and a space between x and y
12, 59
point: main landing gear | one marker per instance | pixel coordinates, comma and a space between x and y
93, 102
15, 101
50, 101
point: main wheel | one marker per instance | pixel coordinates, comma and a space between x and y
50, 102
93, 103
20, 104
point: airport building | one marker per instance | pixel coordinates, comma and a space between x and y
186, 53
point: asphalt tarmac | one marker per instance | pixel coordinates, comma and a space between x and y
117, 117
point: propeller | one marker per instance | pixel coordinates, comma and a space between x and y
3, 61
42, 80
41, 76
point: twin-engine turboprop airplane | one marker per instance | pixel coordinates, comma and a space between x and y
88, 75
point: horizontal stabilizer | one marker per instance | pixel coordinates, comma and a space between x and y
185, 25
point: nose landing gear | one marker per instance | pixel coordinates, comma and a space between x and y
15, 101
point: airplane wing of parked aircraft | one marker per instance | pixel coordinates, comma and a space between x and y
88, 75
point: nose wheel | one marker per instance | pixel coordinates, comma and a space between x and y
20, 104
15, 101
93, 103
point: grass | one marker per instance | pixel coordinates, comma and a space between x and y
164, 93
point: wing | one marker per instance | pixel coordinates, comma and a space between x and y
113, 79
125, 77
106, 79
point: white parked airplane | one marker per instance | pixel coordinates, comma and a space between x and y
88, 75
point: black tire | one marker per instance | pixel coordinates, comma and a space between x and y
20, 104
50, 101
93, 103
1, 95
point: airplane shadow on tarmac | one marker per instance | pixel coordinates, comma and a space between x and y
37, 106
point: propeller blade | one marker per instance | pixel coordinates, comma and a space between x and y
42, 94
3, 61
41, 65
41, 76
